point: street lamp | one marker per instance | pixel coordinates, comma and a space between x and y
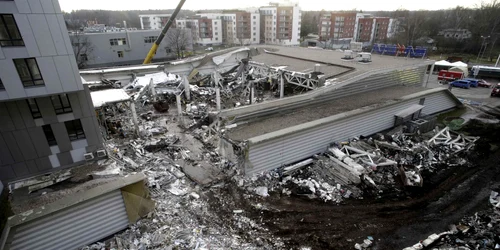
481, 49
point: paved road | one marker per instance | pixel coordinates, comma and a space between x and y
475, 94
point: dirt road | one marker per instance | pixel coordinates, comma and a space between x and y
394, 223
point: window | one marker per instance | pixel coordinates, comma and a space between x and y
150, 39
33, 106
9, 33
1, 85
215, 22
61, 104
120, 54
29, 72
254, 17
216, 33
117, 41
254, 39
216, 39
253, 28
75, 130
49, 134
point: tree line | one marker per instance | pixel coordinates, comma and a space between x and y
417, 28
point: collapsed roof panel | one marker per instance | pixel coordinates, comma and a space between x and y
101, 98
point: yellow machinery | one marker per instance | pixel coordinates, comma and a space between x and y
153, 49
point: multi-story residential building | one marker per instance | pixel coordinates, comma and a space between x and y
127, 47
47, 119
337, 25
359, 27
282, 23
239, 28
154, 21
370, 29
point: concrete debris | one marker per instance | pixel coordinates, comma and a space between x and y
262, 191
384, 164
366, 244
480, 231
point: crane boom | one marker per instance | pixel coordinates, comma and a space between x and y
153, 49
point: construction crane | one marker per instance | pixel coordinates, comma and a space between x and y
153, 49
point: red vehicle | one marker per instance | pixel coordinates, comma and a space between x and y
496, 90
483, 83
449, 76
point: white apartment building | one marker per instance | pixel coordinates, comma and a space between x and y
153, 21
47, 119
238, 28
282, 22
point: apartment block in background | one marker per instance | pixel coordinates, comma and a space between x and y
370, 29
47, 119
154, 21
237, 28
282, 22
336, 25
358, 27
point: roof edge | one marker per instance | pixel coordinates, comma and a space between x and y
297, 128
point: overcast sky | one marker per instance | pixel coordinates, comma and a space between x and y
366, 5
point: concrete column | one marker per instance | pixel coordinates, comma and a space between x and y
134, 118
429, 75
187, 90
282, 85
152, 89
217, 96
252, 92
179, 108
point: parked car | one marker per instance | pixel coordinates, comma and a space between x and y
483, 83
209, 49
473, 82
496, 90
461, 84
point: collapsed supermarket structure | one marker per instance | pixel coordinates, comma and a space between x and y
259, 109
265, 114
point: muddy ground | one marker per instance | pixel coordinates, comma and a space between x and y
394, 222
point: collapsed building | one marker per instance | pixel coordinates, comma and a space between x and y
261, 109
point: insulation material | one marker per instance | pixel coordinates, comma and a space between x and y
137, 201
103, 97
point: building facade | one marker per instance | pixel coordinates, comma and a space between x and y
47, 118
359, 27
128, 47
336, 25
231, 28
154, 21
282, 22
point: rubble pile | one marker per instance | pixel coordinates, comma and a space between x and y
382, 164
480, 231
182, 218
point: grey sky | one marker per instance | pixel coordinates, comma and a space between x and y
367, 5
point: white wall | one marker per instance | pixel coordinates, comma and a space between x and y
217, 31
43, 20
255, 28
297, 18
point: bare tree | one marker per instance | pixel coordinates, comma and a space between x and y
82, 48
177, 41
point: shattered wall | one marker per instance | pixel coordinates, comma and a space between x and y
273, 150
24, 149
